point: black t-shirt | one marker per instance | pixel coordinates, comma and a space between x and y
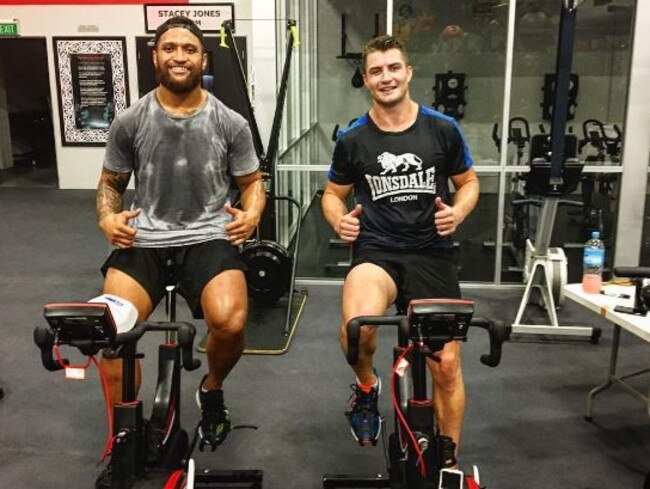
397, 176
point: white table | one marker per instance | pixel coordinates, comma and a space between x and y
635, 324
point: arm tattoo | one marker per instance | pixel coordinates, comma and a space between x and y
110, 190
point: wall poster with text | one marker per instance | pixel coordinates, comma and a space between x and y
92, 86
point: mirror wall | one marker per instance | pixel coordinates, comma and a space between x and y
498, 86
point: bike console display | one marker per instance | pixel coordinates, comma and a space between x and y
439, 319
81, 322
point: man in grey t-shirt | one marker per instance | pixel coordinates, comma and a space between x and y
182, 145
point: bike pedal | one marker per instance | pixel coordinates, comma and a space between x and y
204, 443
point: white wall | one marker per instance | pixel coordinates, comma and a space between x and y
636, 148
79, 167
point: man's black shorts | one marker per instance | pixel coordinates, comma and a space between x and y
420, 275
194, 266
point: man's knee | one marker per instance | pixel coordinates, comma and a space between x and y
227, 324
225, 304
447, 374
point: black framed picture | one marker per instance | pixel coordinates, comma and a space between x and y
92, 87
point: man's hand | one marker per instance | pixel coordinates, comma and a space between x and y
446, 218
117, 230
242, 225
348, 227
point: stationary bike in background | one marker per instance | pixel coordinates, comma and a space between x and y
417, 455
603, 145
517, 223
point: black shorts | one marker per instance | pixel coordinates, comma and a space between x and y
194, 266
420, 275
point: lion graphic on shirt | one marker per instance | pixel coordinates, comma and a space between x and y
392, 163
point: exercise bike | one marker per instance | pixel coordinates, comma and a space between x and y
154, 452
418, 456
517, 223
598, 189
137, 446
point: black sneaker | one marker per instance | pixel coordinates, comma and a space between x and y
363, 416
215, 422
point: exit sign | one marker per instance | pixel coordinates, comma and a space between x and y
8, 27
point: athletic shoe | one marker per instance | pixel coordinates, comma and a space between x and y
363, 415
215, 422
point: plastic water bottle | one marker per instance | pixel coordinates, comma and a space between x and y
593, 263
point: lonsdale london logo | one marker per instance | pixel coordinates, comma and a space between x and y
398, 178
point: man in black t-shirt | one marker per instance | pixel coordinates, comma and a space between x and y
398, 159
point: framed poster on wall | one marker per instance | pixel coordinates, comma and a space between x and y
92, 87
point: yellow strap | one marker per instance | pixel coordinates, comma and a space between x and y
294, 35
222, 36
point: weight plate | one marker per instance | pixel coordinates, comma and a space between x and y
269, 270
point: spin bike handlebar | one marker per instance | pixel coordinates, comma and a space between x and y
45, 340
497, 331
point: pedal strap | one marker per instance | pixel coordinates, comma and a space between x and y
155, 438
447, 451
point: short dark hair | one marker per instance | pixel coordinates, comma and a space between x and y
383, 43
177, 22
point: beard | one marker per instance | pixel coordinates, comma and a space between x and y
179, 87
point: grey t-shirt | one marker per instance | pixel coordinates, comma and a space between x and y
182, 168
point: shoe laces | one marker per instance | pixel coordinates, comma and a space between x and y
360, 400
215, 416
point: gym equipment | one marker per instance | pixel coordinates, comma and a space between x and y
357, 78
517, 224
271, 270
539, 223
267, 264
518, 133
551, 176
545, 267
153, 448
416, 450
605, 139
550, 80
449, 90
598, 189
267, 227
158, 444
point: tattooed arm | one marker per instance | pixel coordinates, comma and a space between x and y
112, 219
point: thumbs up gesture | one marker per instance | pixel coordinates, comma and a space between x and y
117, 229
349, 226
242, 225
445, 218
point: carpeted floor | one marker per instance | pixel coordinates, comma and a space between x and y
524, 424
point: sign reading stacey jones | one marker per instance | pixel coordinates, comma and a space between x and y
208, 16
